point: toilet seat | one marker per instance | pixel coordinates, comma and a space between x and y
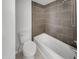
29, 48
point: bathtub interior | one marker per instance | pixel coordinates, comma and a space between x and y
54, 44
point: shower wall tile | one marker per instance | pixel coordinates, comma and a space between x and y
37, 20
59, 21
55, 19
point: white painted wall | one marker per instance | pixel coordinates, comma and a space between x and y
23, 19
8, 29
44, 2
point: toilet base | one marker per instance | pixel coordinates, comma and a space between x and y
32, 57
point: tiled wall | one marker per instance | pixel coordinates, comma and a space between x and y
37, 19
60, 21
56, 19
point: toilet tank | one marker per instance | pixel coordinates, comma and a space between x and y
24, 36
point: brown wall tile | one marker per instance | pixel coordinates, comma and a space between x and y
59, 21
56, 19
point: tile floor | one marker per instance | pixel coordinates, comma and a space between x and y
37, 55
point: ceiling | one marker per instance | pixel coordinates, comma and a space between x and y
43, 2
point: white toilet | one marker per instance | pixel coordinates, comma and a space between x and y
28, 47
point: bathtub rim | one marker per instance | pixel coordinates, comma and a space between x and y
75, 49
72, 48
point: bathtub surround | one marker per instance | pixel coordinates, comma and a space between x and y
59, 20
38, 20
23, 19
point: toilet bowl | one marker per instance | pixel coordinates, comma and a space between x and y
29, 50
28, 47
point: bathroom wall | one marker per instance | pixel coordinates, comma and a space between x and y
23, 20
38, 21
8, 29
60, 21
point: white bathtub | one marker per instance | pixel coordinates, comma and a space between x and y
52, 48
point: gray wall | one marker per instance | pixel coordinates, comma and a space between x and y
23, 20
38, 19
59, 20
8, 29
